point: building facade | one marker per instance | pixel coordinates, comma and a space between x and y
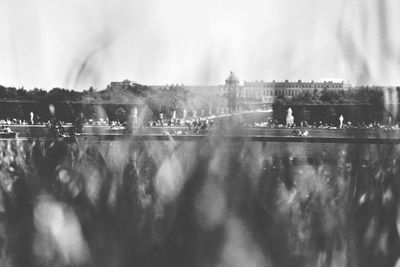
268, 91
251, 91
121, 85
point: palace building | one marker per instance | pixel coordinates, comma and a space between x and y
268, 91
251, 91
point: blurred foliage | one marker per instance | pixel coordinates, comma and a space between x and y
212, 202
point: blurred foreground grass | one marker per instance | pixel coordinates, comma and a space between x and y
206, 203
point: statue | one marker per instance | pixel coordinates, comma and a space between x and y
184, 114
195, 114
341, 121
289, 118
32, 116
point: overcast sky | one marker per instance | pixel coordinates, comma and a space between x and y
79, 43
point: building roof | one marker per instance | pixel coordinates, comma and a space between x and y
232, 79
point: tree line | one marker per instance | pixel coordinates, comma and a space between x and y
364, 104
115, 103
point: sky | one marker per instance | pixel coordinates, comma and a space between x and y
81, 43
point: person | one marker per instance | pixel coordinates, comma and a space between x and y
300, 133
56, 128
203, 127
79, 122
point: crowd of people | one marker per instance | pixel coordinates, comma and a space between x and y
14, 121
196, 125
270, 123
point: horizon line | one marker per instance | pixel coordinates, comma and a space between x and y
199, 85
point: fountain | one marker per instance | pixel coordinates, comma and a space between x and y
135, 118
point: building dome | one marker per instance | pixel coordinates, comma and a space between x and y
232, 80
